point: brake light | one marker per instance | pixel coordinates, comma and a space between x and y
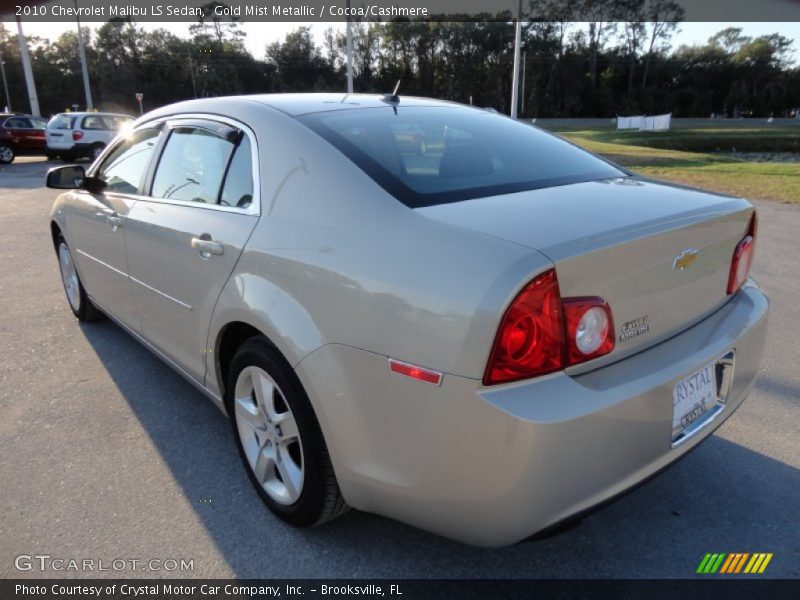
77, 135
743, 257
540, 333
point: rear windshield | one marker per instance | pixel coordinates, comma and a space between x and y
433, 155
61, 122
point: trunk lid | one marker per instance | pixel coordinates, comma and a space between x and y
624, 240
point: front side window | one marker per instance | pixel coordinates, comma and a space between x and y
124, 168
192, 165
432, 155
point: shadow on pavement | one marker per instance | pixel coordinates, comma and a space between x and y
26, 172
721, 498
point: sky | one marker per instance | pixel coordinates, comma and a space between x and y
260, 34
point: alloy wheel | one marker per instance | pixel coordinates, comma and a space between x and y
269, 435
69, 276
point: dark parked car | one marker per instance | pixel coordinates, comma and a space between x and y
21, 135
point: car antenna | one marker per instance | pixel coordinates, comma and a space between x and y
393, 97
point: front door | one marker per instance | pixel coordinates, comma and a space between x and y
97, 228
184, 240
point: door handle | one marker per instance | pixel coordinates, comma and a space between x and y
207, 247
114, 221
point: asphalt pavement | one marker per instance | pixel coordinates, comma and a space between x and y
107, 454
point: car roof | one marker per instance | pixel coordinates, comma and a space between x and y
300, 104
89, 113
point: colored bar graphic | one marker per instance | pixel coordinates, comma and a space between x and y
740, 564
752, 563
703, 563
727, 564
765, 563
734, 562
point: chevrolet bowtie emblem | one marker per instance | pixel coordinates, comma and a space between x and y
685, 259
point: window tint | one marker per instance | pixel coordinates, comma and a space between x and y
61, 122
426, 156
94, 122
238, 188
192, 166
38, 123
18, 123
126, 164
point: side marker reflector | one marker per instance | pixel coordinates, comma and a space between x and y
415, 372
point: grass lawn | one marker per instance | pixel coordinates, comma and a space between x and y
759, 180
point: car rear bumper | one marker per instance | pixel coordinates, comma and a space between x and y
493, 465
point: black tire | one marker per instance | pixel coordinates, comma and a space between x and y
320, 499
95, 151
86, 311
7, 154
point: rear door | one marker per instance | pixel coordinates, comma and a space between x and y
183, 241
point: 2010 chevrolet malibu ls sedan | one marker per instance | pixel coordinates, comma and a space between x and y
482, 336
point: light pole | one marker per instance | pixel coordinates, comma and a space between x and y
349, 50
26, 68
3, 67
86, 88
515, 79
5, 84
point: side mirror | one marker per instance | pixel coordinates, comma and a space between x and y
73, 177
69, 177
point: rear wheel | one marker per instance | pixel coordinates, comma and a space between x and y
96, 151
279, 438
6, 154
78, 301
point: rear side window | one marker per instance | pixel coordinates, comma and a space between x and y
94, 122
124, 168
61, 122
18, 123
114, 123
432, 155
192, 166
238, 188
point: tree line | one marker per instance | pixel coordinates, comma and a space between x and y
620, 60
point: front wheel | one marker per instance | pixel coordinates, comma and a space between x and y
6, 154
279, 438
79, 302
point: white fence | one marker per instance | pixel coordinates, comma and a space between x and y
642, 123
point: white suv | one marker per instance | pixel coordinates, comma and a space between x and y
74, 135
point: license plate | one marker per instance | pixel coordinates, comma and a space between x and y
693, 399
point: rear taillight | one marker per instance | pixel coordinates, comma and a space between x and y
743, 257
589, 323
541, 333
77, 135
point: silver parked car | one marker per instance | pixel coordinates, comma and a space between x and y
482, 337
